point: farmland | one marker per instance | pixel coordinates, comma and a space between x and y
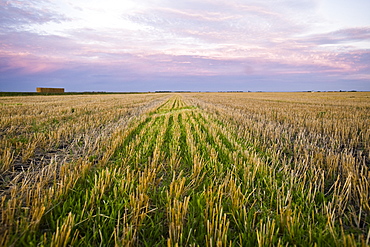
190, 169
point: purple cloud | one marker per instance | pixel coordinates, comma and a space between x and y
340, 36
14, 14
141, 44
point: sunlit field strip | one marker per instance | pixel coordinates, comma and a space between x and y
84, 135
320, 139
185, 175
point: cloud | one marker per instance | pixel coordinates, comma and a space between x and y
220, 22
342, 36
167, 40
19, 14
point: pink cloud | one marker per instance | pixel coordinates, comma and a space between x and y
182, 38
26, 63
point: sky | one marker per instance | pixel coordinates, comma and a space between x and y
185, 45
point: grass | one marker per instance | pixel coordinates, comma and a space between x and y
190, 170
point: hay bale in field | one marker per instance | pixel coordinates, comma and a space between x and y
49, 90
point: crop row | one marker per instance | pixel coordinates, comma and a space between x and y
205, 170
48, 143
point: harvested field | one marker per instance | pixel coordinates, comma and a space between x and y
190, 169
